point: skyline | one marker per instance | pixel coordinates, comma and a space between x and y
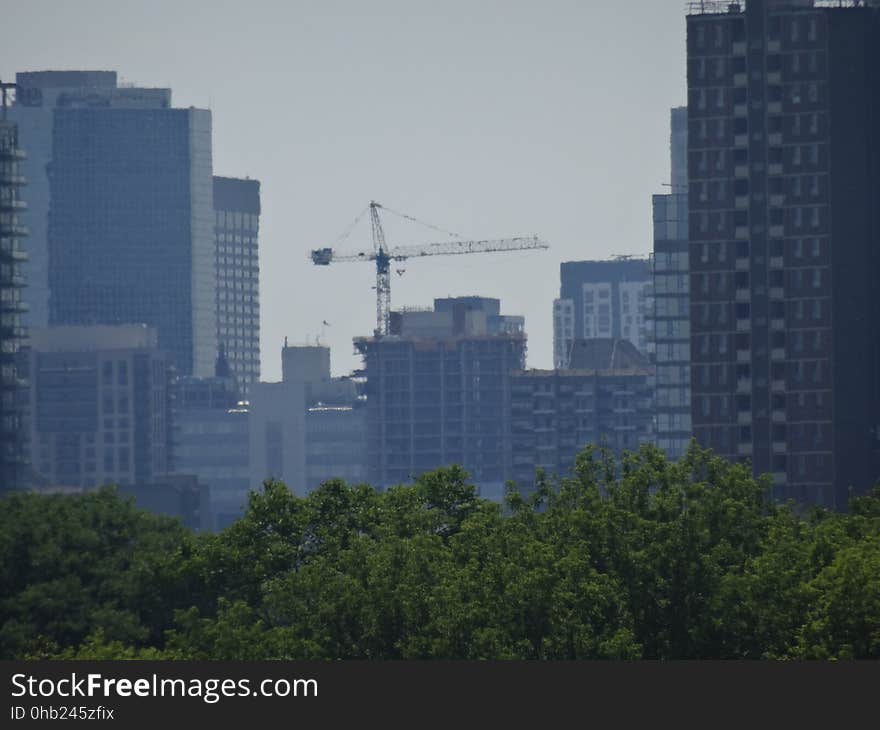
302, 109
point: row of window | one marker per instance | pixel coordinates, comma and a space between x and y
718, 34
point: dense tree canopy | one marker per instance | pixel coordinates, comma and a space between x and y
640, 559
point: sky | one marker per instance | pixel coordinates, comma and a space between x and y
484, 118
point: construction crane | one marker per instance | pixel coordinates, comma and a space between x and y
383, 256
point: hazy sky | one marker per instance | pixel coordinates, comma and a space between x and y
486, 118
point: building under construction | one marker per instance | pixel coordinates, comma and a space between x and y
12, 256
438, 392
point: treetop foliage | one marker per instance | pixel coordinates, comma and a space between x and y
641, 558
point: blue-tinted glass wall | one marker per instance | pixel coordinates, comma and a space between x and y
131, 235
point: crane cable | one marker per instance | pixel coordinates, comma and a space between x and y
347, 232
422, 223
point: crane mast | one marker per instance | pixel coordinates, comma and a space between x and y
383, 256
383, 273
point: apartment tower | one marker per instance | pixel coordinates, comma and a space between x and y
784, 218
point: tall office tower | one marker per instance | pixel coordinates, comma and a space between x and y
237, 265
602, 299
309, 427
99, 406
783, 106
131, 225
605, 399
39, 93
438, 392
672, 338
12, 257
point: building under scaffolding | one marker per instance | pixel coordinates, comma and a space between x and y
12, 256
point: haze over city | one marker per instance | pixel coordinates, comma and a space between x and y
488, 119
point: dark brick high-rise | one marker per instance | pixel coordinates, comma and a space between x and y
784, 209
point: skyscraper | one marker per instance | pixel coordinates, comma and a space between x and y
237, 263
672, 338
602, 299
39, 94
784, 106
131, 225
